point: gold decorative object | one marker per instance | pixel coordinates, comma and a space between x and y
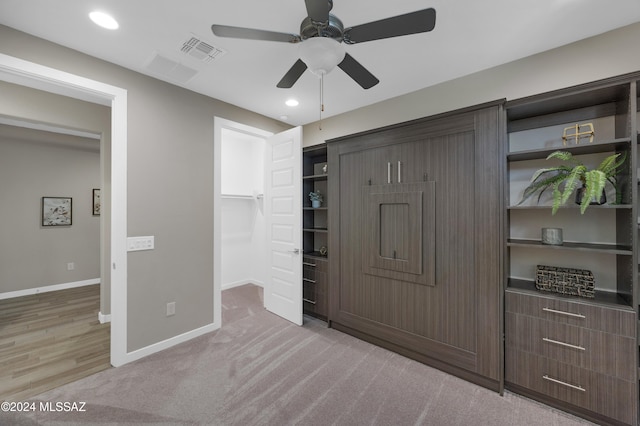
578, 133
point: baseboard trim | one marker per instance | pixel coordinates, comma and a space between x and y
104, 318
45, 289
168, 343
240, 283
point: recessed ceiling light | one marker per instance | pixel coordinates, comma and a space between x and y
292, 103
104, 20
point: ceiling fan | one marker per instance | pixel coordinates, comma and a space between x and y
321, 35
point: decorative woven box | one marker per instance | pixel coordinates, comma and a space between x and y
576, 282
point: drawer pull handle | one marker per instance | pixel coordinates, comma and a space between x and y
564, 313
560, 382
309, 301
568, 345
309, 264
309, 280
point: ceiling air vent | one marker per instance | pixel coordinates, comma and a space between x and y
200, 50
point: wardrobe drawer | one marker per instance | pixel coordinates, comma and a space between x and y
594, 350
584, 388
314, 286
571, 311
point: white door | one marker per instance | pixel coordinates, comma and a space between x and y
283, 213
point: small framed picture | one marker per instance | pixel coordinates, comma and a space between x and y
96, 202
56, 211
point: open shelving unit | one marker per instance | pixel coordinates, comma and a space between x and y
315, 232
604, 241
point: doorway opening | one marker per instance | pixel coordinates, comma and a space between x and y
239, 222
29, 74
275, 215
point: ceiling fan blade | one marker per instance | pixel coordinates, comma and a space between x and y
251, 34
421, 21
292, 75
357, 72
318, 10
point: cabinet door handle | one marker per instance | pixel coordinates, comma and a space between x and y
563, 313
389, 172
309, 280
568, 345
309, 301
560, 382
399, 171
309, 264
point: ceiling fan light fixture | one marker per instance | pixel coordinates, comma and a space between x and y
321, 54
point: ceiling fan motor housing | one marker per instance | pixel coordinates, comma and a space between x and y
331, 29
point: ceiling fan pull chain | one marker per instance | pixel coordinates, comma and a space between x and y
321, 100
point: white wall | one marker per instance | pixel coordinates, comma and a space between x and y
243, 224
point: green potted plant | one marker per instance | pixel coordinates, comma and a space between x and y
316, 199
563, 180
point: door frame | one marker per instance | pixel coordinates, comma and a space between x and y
29, 74
220, 124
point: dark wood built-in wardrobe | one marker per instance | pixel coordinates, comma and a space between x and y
416, 239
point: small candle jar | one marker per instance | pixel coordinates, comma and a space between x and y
552, 236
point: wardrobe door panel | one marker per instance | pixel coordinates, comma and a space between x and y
415, 268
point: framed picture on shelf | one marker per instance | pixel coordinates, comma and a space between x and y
56, 211
96, 202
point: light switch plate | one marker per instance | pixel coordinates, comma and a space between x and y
140, 243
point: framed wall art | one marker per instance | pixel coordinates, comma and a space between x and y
96, 202
56, 211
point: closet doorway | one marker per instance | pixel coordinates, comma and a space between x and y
257, 215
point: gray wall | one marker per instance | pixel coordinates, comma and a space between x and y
607, 55
42, 107
34, 164
170, 187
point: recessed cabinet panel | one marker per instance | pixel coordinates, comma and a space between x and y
400, 242
392, 224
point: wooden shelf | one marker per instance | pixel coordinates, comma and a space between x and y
315, 177
601, 248
572, 207
315, 230
601, 297
315, 255
584, 148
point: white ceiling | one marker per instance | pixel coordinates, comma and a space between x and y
469, 36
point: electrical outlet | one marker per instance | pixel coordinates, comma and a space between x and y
171, 308
71, 266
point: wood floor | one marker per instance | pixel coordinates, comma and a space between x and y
49, 339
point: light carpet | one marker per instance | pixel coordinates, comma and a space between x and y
262, 370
